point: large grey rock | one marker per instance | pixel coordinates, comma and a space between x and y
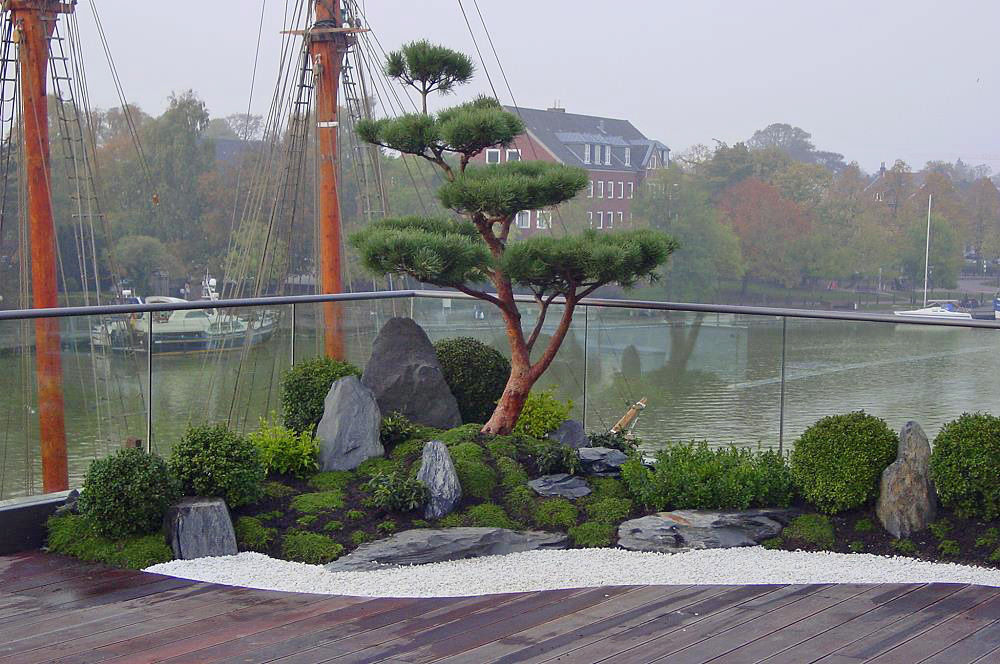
422, 545
570, 433
405, 376
199, 527
561, 484
906, 499
437, 471
349, 431
601, 460
685, 530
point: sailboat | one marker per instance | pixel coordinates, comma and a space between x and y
936, 310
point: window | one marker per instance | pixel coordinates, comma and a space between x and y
493, 156
590, 219
513, 155
611, 219
628, 156
879, 196
621, 189
600, 188
590, 189
543, 218
600, 220
620, 215
631, 187
524, 219
597, 153
611, 189
586, 153
607, 155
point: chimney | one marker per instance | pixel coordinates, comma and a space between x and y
881, 171
556, 109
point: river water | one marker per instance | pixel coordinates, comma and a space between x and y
714, 378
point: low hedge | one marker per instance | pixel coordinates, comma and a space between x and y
476, 375
965, 466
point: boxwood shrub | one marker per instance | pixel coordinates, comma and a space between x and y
542, 413
304, 388
837, 462
212, 460
965, 466
475, 373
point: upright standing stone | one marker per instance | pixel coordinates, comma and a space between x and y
570, 433
405, 376
906, 499
199, 527
437, 471
349, 431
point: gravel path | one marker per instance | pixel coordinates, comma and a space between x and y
545, 570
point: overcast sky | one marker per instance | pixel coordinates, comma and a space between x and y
876, 81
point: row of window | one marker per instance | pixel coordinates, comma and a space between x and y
609, 188
602, 154
543, 219
604, 219
493, 155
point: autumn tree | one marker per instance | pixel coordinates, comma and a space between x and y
474, 249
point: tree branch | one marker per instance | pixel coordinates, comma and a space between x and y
479, 295
539, 367
543, 309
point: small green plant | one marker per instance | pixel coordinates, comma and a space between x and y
940, 528
359, 537
592, 535
331, 479
311, 548
856, 546
387, 527
965, 464
813, 529
864, 526
395, 429
269, 516
304, 388
306, 520
318, 501
551, 456
76, 535
512, 473
333, 526
607, 487
838, 461
284, 451
556, 513
501, 447
475, 373
277, 490
520, 503
609, 510
453, 520
252, 535
904, 546
377, 466
127, 493
355, 515
215, 461
419, 523
488, 515
616, 440
949, 548
773, 543
988, 539
995, 556
397, 492
542, 413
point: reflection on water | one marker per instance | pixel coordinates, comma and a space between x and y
712, 377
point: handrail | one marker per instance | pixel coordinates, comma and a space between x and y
62, 312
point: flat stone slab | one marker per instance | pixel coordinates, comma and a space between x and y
687, 530
601, 461
426, 545
200, 527
562, 485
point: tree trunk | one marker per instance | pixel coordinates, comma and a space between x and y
508, 409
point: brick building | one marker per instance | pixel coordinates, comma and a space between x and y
616, 155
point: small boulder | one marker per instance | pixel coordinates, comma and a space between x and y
426, 545
437, 471
570, 433
349, 431
686, 530
70, 505
601, 461
906, 499
405, 376
560, 484
199, 527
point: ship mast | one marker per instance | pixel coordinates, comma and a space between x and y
34, 22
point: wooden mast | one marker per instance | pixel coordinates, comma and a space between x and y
34, 21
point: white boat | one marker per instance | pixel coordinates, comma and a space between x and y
936, 311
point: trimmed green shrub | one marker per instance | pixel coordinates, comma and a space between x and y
837, 462
592, 535
905, 546
475, 373
542, 413
395, 429
331, 479
556, 513
488, 515
304, 388
615, 440
512, 473
607, 487
311, 548
814, 529
251, 535
215, 461
520, 503
864, 526
318, 501
609, 510
965, 465
940, 528
397, 492
76, 535
284, 451
128, 493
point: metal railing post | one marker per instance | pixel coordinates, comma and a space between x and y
149, 382
586, 354
292, 352
781, 405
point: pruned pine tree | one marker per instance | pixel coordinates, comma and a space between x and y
468, 252
429, 68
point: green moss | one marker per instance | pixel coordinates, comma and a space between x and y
995, 556
277, 490
609, 510
556, 513
488, 515
940, 528
252, 535
592, 535
408, 450
988, 539
377, 465
331, 480
311, 548
814, 529
905, 546
319, 501
468, 451
949, 548
307, 520
773, 543
478, 480
502, 446
463, 434
856, 546
74, 535
453, 520
520, 503
355, 515
419, 523
607, 487
333, 526
864, 526
512, 473
269, 516
387, 527
359, 537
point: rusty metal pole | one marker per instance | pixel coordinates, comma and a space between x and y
34, 21
327, 51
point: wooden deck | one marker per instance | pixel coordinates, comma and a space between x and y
54, 609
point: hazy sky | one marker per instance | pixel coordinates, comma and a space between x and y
910, 79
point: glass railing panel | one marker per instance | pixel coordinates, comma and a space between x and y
360, 321
713, 377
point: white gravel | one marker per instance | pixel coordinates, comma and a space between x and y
546, 570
